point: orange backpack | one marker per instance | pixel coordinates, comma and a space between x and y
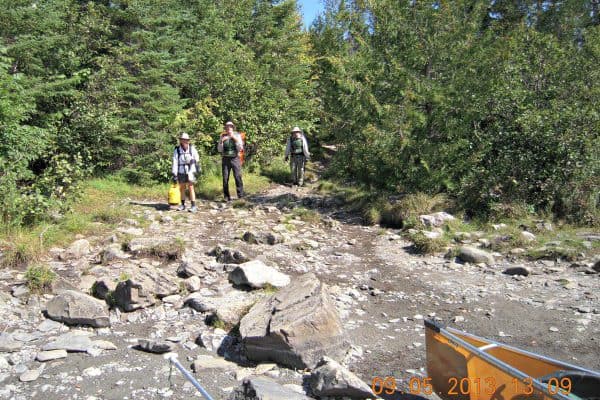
241, 153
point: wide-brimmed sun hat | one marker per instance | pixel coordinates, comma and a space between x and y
296, 129
184, 136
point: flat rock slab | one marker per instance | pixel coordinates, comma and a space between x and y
262, 388
294, 327
48, 326
50, 355
72, 341
31, 375
8, 344
153, 346
203, 362
76, 308
257, 275
332, 379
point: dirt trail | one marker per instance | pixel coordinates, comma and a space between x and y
382, 290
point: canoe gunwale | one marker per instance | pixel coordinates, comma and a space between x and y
451, 335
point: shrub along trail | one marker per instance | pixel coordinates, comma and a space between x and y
171, 270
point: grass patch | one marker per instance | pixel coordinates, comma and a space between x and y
210, 186
306, 215
268, 289
372, 215
553, 253
39, 278
24, 248
172, 250
424, 245
393, 216
278, 171
102, 201
241, 203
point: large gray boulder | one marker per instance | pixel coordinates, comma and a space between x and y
229, 307
76, 308
142, 286
77, 249
262, 388
257, 275
295, 326
474, 255
435, 219
131, 296
332, 379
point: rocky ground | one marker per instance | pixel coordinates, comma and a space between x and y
168, 276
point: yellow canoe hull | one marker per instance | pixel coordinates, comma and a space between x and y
462, 366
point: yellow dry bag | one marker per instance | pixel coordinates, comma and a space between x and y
174, 195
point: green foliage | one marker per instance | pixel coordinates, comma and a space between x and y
39, 278
424, 245
491, 105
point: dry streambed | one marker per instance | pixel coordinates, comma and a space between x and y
263, 301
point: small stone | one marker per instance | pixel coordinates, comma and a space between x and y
104, 345
553, 329
20, 291
458, 318
527, 236
519, 270
204, 362
262, 368
152, 346
584, 310
193, 284
92, 372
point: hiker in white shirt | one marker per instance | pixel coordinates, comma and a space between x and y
184, 170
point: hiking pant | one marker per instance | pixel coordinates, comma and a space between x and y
297, 165
229, 163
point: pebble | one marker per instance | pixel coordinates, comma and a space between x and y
92, 372
553, 329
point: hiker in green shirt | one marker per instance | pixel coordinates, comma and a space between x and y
230, 145
297, 149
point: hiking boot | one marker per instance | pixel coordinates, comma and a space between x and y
181, 208
194, 209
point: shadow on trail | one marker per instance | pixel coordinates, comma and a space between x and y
156, 206
328, 206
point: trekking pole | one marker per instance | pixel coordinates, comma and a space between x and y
172, 357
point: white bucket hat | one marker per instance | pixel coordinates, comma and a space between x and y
184, 136
229, 123
296, 129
